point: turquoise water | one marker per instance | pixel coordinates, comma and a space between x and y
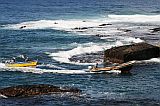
54, 44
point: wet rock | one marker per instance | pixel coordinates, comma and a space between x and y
22, 27
155, 30
125, 30
88, 57
83, 28
31, 90
55, 23
104, 24
149, 34
100, 35
139, 51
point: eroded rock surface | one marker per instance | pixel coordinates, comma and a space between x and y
139, 51
88, 58
31, 90
155, 30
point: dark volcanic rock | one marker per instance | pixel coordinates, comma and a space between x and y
88, 58
31, 90
125, 30
83, 28
99, 35
139, 51
155, 30
104, 24
22, 27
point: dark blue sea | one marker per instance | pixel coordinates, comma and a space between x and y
67, 36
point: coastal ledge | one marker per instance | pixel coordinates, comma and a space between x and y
32, 90
137, 51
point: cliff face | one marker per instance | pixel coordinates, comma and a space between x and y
31, 90
138, 51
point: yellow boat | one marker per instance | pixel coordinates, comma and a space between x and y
23, 64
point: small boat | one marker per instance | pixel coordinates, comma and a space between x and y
21, 61
22, 64
124, 68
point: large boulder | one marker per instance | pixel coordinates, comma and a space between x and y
138, 51
31, 90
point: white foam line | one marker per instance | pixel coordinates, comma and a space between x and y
69, 25
51, 66
156, 60
40, 71
53, 24
3, 96
63, 56
2, 65
134, 18
66, 71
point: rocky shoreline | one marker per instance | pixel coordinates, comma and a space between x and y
150, 51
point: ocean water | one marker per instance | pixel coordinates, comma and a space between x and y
53, 32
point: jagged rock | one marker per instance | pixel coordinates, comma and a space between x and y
125, 30
31, 90
22, 27
55, 23
100, 35
138, 51
78, 28
104, 24
155, 30
88, 58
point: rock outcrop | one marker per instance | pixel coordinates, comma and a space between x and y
138, 51
31, 90
22, 27
104, 24
155, 30
88, 58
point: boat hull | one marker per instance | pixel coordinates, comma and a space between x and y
28, 64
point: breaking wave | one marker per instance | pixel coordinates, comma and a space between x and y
114, 31
3, 96
155, 60
63, 56
69, 25
2, 65
52, 24
137, 18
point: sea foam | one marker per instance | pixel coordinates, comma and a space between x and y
92, 27
53, 24
77, 23
2, 65
137, 18
63, 56
3, 96
155, 60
